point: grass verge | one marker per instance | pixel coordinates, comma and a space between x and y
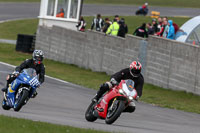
151, 94
9, 30
28, 126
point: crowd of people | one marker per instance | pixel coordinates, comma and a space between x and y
161, 27
117, 27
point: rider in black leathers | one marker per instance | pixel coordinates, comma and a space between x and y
35, 62
133, 73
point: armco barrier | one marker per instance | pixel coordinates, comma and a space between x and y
166, 63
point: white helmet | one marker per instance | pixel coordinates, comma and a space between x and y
146, 4
38, 56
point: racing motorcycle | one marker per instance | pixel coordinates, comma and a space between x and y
21, 90
112, 104
142, 11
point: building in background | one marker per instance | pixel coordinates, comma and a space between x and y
63, 13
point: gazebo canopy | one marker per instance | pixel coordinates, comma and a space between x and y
190, 31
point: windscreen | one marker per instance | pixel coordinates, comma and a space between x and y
130, 84
30, 72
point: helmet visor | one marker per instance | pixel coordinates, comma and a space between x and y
135, 73
38, 58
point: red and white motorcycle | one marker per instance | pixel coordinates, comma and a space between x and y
113, 103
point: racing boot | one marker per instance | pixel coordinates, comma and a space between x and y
34, 94
96, 98
4, 89
104, 87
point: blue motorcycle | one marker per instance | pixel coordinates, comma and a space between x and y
21, 90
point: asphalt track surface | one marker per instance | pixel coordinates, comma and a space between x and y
10, 11
65, 103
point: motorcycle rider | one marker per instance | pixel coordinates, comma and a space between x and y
35, 62
133, 73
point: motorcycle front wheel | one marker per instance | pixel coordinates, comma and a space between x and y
20, 100
114, 112
89, 113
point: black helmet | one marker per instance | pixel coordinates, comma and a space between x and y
135, 68
38, 56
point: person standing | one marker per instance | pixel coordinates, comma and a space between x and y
171, 33
141, 31
155, 25
123, 29
81, 24
166, 30
106, 25
98, 23
150, 29
113, 28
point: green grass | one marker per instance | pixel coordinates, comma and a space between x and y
175, 3
9, 30
28, 126
151, 94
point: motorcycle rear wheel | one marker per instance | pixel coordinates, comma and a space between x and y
89, 113
20, 101
113, 114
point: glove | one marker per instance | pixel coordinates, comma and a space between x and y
113, 82
16, 73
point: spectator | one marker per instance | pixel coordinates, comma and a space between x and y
123, 28
166, 30
165, 19
171, 33
106, 25
176, 28
61, 13
81, 24
155, 25
174, 24
160, 27
113, 28
150, 29
141, 31
117, 18
97, 23
159, 24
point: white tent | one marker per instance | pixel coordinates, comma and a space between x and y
190, 31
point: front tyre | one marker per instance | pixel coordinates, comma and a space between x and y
20, 99
89, 113
115, 111
4, 105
